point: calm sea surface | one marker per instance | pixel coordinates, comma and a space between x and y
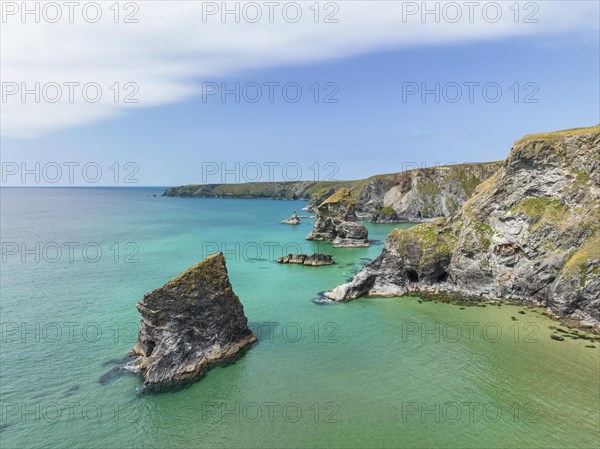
369, 373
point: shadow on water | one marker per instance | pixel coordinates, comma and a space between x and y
118, 370
72, 390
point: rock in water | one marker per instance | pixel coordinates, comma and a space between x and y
337, 221
314, 260
192, 322
531, 232
293, 220
385, 215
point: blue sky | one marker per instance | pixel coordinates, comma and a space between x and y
370, 130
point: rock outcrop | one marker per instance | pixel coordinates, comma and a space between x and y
293, 220
337, 222
192, 322
529, 233
425, 193
386, 215
314, 260
412, 195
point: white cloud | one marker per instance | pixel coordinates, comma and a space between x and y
171, 47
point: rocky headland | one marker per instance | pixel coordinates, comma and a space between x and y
336, 221
529, 233
413, 195
313, 260
189, 324
293, 220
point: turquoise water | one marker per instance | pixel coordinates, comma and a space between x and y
370, 373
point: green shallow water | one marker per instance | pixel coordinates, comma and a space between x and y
370, 373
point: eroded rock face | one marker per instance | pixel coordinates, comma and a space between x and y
192, 322
530, 233
314, 260
413, 195
337, 222
293, 220
433, 192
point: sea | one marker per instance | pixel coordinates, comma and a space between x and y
370, 373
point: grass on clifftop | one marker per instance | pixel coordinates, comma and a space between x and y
561, 133
341, 196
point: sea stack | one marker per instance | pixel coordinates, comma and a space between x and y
337, 222
192, 322
293, 220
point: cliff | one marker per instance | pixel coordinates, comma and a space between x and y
529, 233
411, 195
192, 322
291, 190
336, 221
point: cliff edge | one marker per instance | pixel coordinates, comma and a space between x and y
530, 232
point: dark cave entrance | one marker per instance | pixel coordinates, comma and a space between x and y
412, 275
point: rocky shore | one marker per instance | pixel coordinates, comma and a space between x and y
336, 221
189, 324
314, 260
529, 233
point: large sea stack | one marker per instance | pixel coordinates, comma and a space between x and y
531, 232
337, 221
192, 322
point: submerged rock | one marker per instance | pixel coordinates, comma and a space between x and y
337, 222
314, 260
293, 220
192, 322
529, 233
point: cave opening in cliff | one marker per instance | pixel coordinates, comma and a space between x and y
149, 347
412, 275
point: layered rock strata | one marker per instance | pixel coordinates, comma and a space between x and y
336, 221
529, 233
189, 324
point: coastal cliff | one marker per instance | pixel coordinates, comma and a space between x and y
192, 322
529, 233
407, 196
336, 221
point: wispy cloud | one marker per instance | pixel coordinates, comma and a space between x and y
173, 45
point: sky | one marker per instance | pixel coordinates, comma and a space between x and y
360, 89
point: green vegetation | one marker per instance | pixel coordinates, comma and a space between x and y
544, 211
466, 178
582, 176
211, 270
427, 235
578, 261
428, 191
451, 205
561, 133
387, 211
341, 196
321, 187
484, 231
